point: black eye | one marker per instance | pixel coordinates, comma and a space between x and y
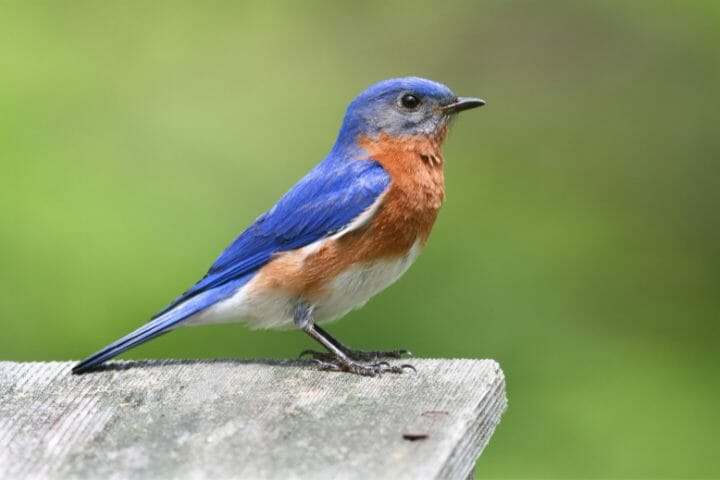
409, 101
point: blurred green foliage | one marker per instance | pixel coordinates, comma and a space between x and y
579, 245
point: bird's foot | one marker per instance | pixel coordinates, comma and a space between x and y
367, 370
358, 355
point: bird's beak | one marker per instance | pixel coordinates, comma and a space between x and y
462, 103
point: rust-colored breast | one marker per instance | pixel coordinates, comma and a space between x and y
411, 205
406, 214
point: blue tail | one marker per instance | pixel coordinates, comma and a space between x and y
161, 324
141, 335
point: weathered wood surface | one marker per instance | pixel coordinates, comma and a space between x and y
245, 419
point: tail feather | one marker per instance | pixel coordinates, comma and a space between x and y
156, 327
147, 332
163, 323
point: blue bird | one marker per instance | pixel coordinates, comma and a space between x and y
346, 231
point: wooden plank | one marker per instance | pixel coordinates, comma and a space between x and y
245, 419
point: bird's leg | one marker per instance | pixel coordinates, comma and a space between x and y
357, 355
336, 359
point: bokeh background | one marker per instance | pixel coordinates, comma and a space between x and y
579, 245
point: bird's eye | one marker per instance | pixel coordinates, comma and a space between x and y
409, 101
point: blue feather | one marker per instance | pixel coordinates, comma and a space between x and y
326, 200
161, 324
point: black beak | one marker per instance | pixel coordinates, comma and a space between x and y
463, 103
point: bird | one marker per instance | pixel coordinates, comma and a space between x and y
343, 233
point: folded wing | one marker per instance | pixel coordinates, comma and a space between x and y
324, 202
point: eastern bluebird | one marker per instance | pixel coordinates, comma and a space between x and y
344, 232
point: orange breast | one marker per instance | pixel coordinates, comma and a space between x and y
411, 205
407, 213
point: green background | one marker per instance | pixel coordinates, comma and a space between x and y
579, 244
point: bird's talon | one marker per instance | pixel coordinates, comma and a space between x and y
366, 370
327, 366
363, 356
328, 357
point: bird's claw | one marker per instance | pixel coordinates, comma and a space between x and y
367, 370
359, 362
316, 355
358, 355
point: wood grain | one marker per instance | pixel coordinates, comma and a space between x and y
245, 419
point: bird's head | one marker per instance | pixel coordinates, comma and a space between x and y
403, 107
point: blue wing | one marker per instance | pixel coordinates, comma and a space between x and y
330, 197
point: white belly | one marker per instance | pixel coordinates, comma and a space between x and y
273, 309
